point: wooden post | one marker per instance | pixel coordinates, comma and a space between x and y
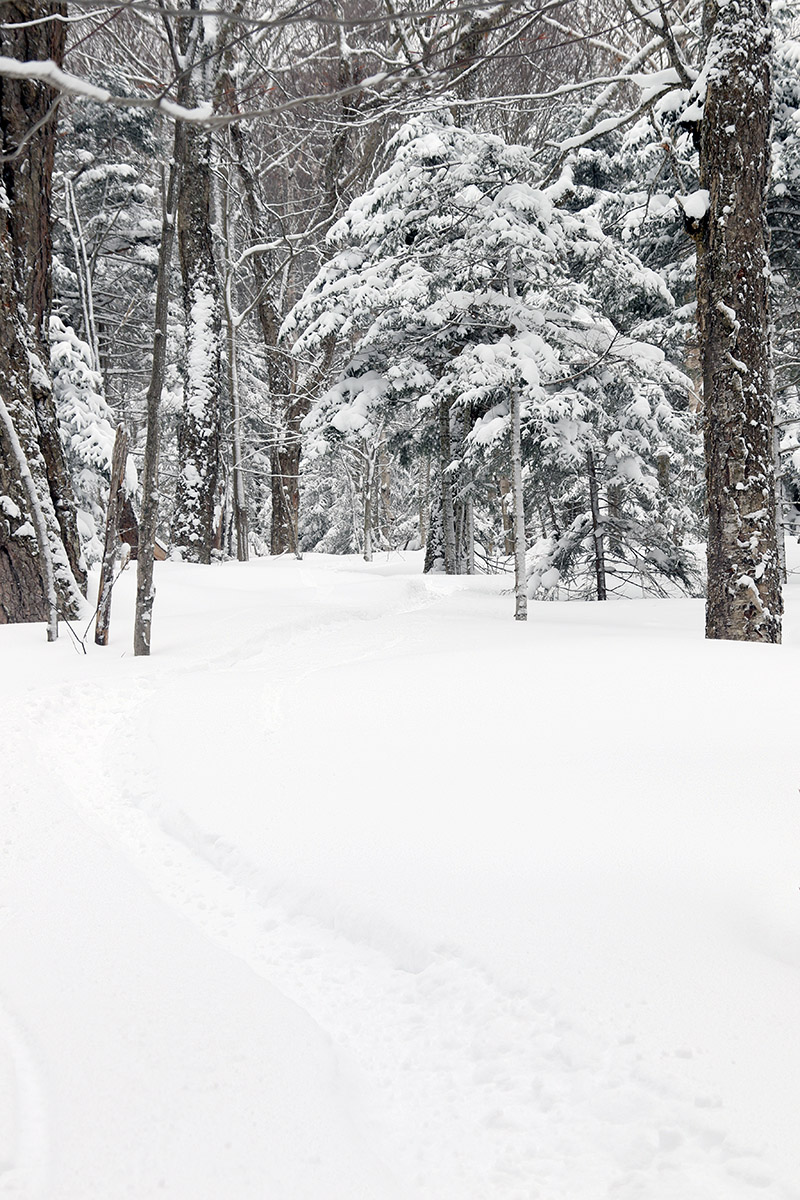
118, 461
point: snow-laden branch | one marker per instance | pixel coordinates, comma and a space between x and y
47, 72
203, 114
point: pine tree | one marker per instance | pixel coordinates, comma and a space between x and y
458, 285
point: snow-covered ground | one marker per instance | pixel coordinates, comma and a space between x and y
359, 890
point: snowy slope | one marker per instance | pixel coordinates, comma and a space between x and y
358, 888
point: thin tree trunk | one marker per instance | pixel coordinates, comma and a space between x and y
780, 532
232, 322
109, 563
369, 467
508, 525
744, 593
597, 529
424, 499
448, 514
520, 572
239, 497
83, 272
470, 533
385, 505
148, 521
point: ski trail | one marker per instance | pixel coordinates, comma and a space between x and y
23, 1116
24, 1121
474, 1090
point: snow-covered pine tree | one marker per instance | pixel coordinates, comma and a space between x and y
434, 342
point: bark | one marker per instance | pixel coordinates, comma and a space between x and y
446, 484
199, 425
424, 498
744, 596
27, 132
369, 468
520, 572
597, 529
504, 486
28, 176
15, 454
109, 563
385, 504
232, 322
780, 529
148, 520
239, 497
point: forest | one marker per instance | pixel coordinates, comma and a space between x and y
514, 285
392, 396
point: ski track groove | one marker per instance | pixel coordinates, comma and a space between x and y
24, 1143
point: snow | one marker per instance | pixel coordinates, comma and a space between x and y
359, 888
201, 350
696, 204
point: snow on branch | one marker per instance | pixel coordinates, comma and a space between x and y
47, 72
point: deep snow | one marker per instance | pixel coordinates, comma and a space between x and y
360, 889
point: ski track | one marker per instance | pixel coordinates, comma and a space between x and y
23, 1118
474, 1091
24, 1121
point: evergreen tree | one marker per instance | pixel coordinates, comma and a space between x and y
457, 284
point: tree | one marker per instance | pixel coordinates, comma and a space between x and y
34, 545
438, 344
194, 523
733, 281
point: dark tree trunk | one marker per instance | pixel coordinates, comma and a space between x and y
199, 425
25, 294
446, 490
287, 414
598, 532
744, 596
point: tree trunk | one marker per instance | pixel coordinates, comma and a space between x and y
199, 425
597, 529
15, 454
234, 397
424, 499
744, 596
780, 530
448, 512
504, 486
109, 564
27, 131
520, 572
366, 483
148, 521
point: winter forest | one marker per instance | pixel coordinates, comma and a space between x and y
399, 438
